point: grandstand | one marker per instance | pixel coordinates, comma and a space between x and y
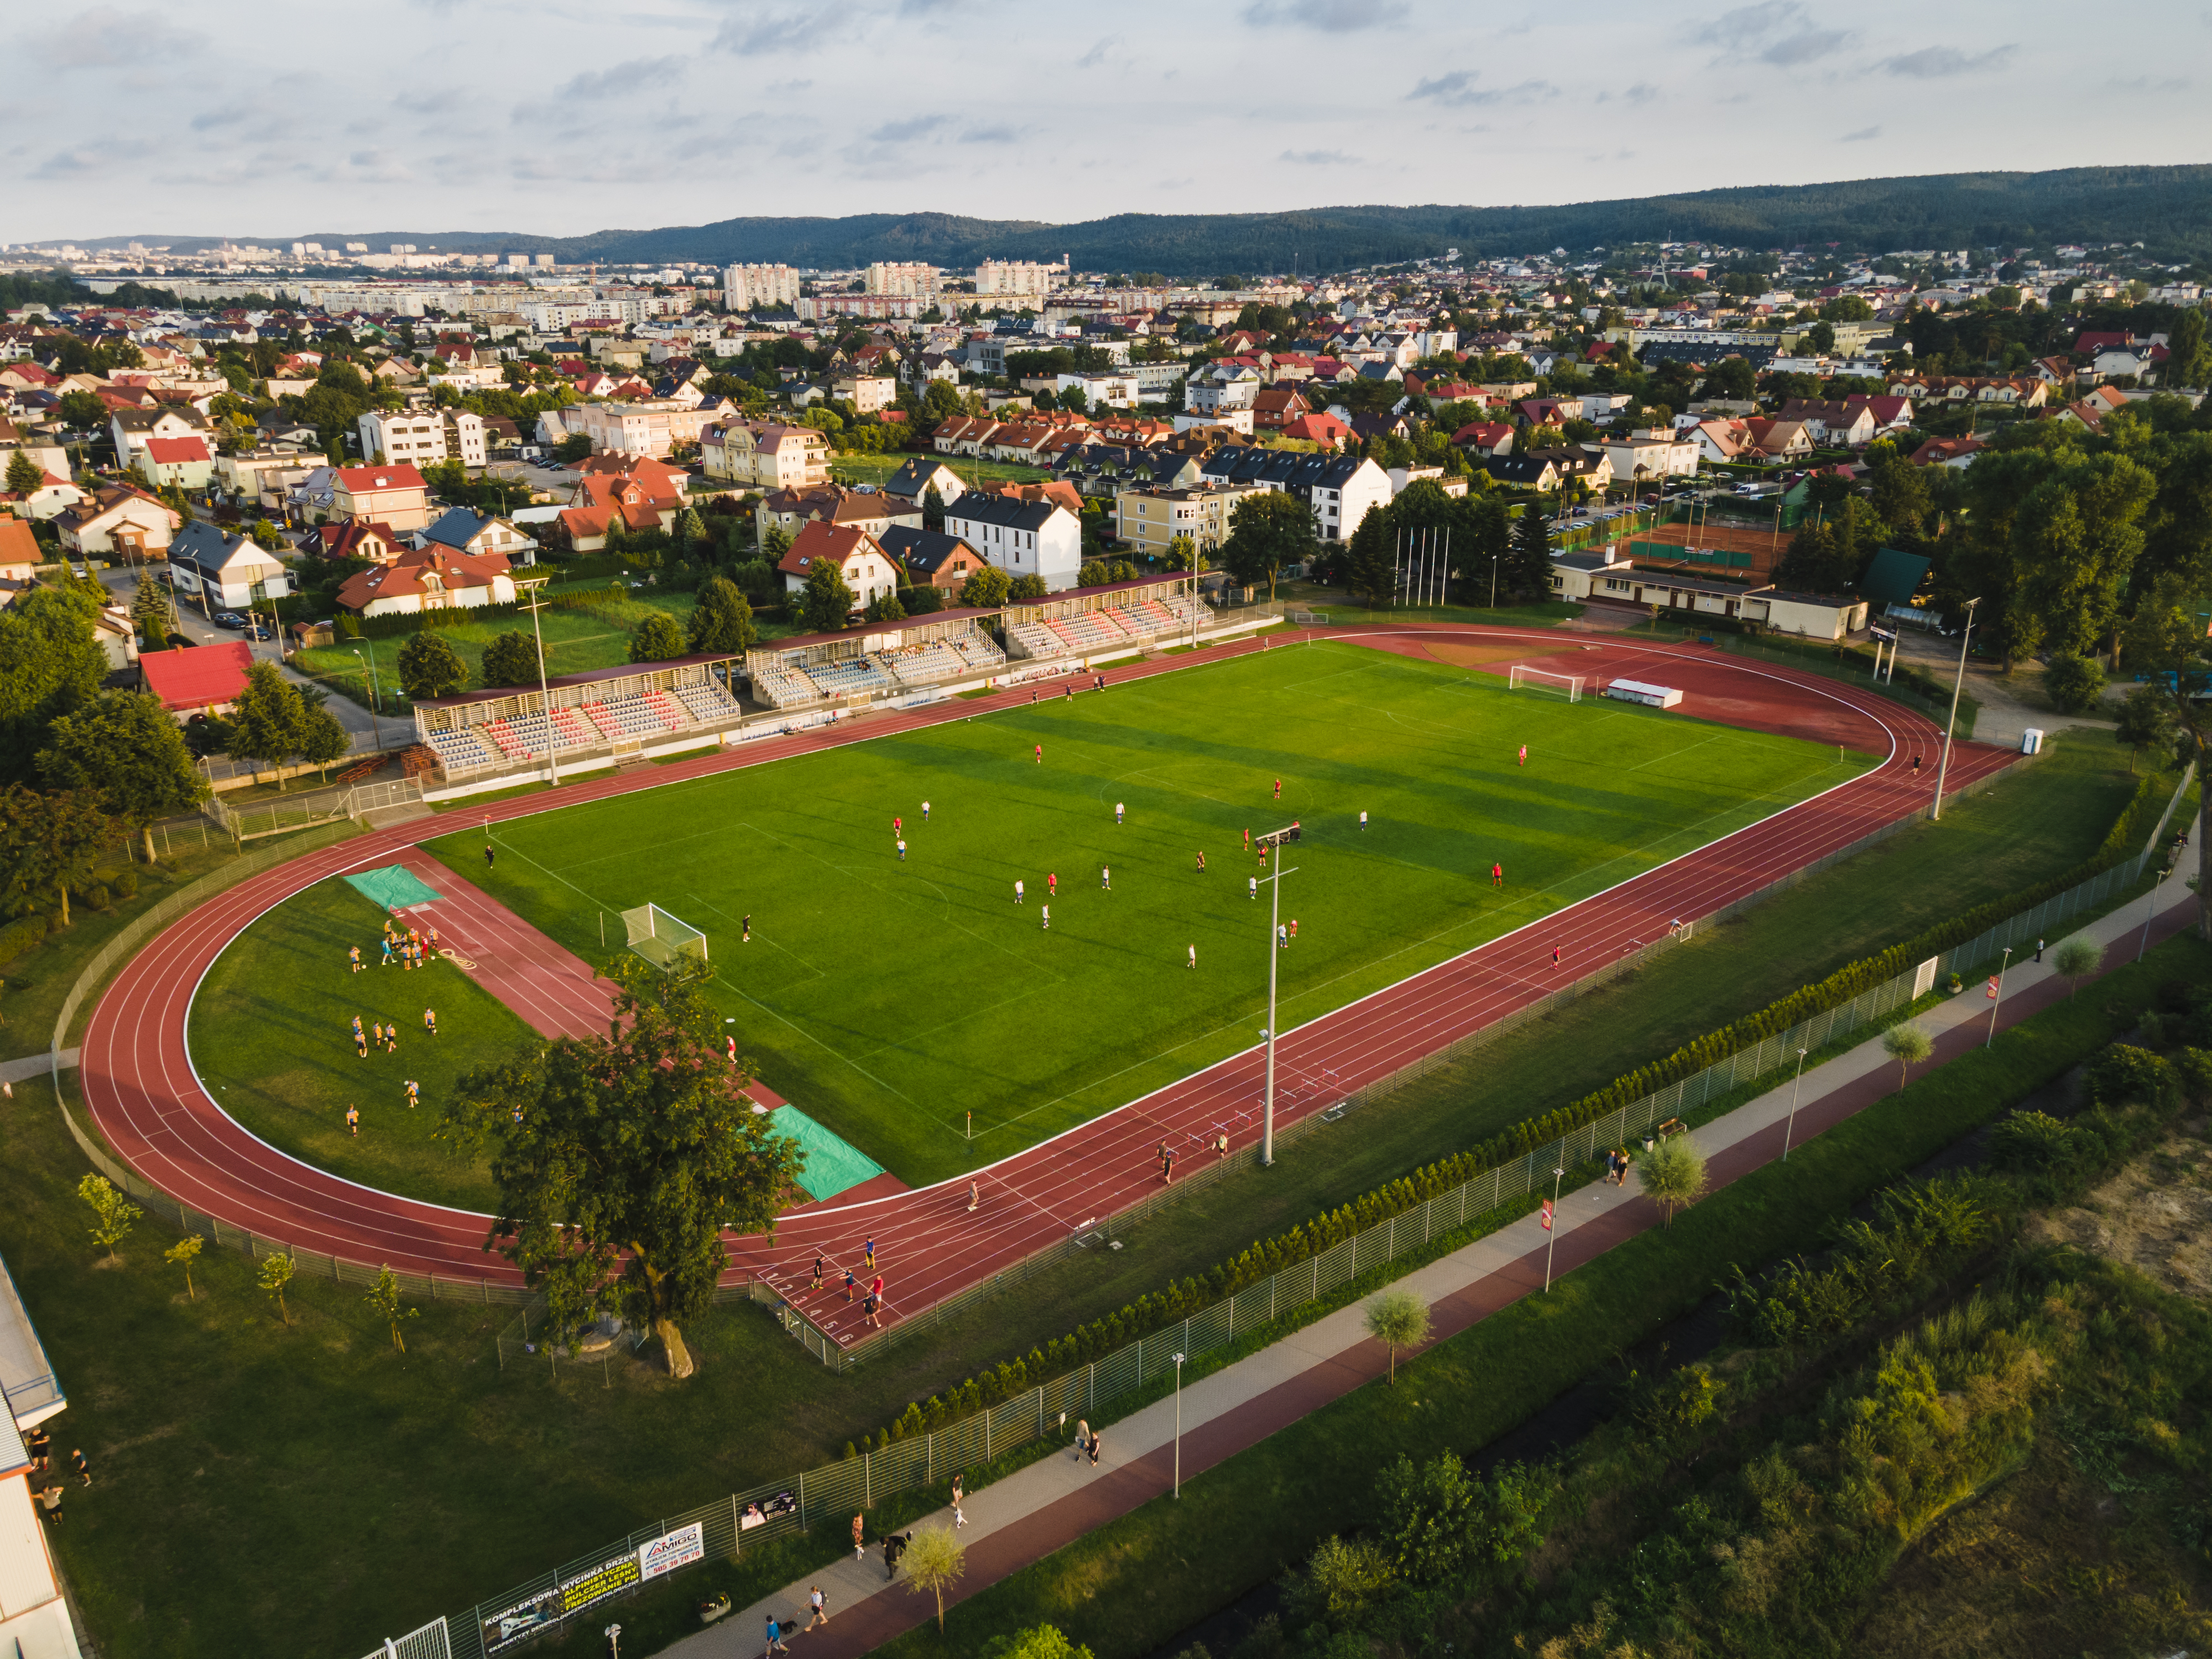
879, 659
1112, 620
590, 717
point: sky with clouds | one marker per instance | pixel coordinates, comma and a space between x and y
237, 117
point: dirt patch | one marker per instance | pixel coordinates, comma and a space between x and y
2156, 1215
1481, 656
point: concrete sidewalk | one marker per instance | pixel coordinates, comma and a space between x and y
1037, 1510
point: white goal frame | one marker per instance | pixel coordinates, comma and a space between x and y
660, 938
1545, 679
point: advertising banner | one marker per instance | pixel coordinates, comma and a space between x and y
673, 1550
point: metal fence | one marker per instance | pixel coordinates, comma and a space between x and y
855, 1484
286, 814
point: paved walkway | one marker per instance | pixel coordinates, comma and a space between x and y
30, 1065
1039, 1509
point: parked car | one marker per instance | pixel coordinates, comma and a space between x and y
229, 619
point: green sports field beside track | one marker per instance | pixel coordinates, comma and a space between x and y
890, 1000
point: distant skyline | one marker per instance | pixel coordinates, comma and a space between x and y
444, 116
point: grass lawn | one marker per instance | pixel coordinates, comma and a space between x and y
1132, 1585
890, 998
576, 641
875, 469
271, 1036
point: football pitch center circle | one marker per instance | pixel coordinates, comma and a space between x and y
345, 1201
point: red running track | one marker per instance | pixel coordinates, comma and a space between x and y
139, 1086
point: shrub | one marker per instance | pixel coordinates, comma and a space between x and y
2074, 683
2125, 1076
20, 935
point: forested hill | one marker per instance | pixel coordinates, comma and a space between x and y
2168, 209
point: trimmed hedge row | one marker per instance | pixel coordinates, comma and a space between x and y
1191, 1296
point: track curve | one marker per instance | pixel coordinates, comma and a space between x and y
142, 1093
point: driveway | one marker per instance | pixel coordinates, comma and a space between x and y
2010, 703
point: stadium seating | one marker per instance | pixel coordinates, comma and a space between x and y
978, 650
457, 750
853, 677
707, 703
666, 708
1037, 640
631, 718
923, 665
575, 731
598, 714
780, 687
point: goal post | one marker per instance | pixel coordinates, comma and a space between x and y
1543, 679
662, 940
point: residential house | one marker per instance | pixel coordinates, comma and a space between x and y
414, 438
133, 428
868, 393
638, 429
21, 556
357, 539
873, 511
931, 558
245, 474
479, 535
868, 571
433, 577
222, 570
1651, 454
1597, 574
1484, 438
197, 679
1592, 467
396, 495
46, 454
1848, 422
184, 462
1340, 490
640, 503
1277, 407
1322, 429
1950, 451
1022, 538
766, 454
118, 521
1778, 439
920, 475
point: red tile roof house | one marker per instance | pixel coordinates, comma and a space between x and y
433, 578
184, 462
868, 571
197, 679
1486, 438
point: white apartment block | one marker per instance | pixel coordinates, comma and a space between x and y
913, 279
402, 438
766, 454
635, 428
744, 287
422, 437
1011, 277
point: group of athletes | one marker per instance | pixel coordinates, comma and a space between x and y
412, 947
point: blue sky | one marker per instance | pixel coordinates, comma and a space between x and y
218, 117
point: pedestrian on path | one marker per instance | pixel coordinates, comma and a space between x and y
821, 1605
775, 1638
2039, 948
959, 1515
860, 1528
891, 1555
1094, 1448
1082, 1437
957, 1493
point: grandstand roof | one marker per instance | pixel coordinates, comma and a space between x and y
808, 642
627, 671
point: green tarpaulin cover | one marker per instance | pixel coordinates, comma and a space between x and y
395, 887
833, 1165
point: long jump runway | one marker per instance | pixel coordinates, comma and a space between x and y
143, 1095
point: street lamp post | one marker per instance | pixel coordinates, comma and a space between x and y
1789, 1129
1958, 685
533, 605
375, 732
1274, 951
1178, 1432
1997, 998
1552, 1229
1493, 581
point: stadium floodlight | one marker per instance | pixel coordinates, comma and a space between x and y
1521, 676
660, 938
1277, 837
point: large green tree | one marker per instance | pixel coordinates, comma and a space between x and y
1267, 531
511, 659
24, 474
626, 1157
124, 750
826, 601
986, 589
1528, 563
429, 667
657, 639
269, 721
323, 738
51, 664
721, 620
49, 844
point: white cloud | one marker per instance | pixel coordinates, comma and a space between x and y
1331, 17
800, 31
1934, 62
1320, 158
1863, 135
107, 37
624, 80
1783, 32
1457, 90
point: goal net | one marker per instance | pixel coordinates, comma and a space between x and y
1543, 679
660, 938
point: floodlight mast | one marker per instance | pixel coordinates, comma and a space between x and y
533, 604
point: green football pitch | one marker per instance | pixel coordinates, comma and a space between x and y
893, 999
